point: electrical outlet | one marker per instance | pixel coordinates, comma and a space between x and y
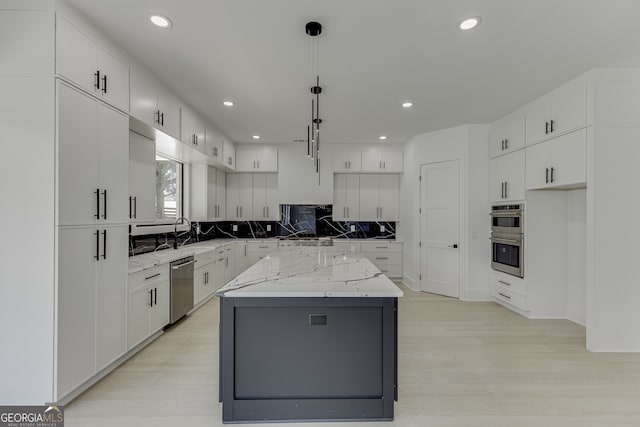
382, 228
235, 227
268, 227
353, 228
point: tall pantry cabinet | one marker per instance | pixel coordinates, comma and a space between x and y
64, 279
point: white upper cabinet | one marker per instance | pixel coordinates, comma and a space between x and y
193, 130
214, 146
93, 143
265, 205
347, 161
379, 197
152, 104
239, 196
507, 135
229, 154
507, 175
559, 112
346, 197
558, 163
376, 160
84, 62
208, 193
257, 160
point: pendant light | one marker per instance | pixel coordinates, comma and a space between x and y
313, 30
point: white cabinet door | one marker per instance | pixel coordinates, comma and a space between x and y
346, 197
212, 189
376, 160
214, 147
142, 178
114, 81
159, 314
557, 113
140, 302
241, 257
558, 163
144, 98
193, 131
260, 196
507, 135
229, 154
239, 196
271, 197
569, 162
77, 157
347, 161
111, 313
538, 164
76, 307
169, 108
201, 283
507, 177
76, 55
369, 197
221, 195
389, 198
83, 61
392, 161
113, 156
257, 160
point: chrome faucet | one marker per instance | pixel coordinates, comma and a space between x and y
175, 230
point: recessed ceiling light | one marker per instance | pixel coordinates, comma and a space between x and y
407, 104
160, 20
256, 136
383, 137
469, 23
229, 103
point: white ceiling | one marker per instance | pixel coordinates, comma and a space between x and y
374, 54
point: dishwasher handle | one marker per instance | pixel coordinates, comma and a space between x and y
175, 267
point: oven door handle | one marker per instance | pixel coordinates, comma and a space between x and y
501, 240
512, 213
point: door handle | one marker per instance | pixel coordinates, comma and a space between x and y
130, 207
97, 83
552, 174
104, 244
104, 194
155, 296
104, 84
97, 193
453, 246
546, 178
150, 297
97, 255
506, 190
551, 126
546, 128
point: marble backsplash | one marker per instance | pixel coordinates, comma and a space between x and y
298, 221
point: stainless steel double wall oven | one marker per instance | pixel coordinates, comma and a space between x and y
507, 239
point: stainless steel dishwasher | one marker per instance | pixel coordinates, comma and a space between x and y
181, 287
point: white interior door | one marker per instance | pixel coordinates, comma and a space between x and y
440, 228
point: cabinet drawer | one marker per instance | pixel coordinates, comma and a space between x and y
381, 247
508, 282
205, 258
148, 276
383, 258
391, 270
507, 296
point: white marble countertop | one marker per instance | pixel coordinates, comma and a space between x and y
311, 271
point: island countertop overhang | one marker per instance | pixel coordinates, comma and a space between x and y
312, 272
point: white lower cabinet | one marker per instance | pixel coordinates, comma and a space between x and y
241, 257
148, 303
204, 276
386, 256
347, 246
91, 329
507, 289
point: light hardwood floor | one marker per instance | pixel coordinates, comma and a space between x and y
468, 364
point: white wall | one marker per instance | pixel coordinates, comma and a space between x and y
577, 256
470, 145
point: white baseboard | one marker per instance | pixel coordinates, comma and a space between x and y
476, 295
410, 283
576, 317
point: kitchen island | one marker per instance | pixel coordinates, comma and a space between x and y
306, 334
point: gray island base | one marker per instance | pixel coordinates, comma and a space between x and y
308, 334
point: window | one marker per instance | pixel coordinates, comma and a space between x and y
168, 189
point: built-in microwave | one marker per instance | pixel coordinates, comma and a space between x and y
507, 219
507, 253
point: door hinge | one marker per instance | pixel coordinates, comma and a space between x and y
419, 244
419, 177
420, 276
419, 210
